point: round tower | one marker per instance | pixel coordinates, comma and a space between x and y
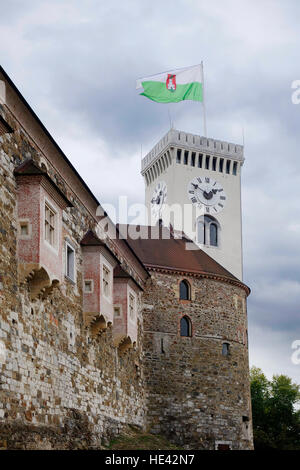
195, 347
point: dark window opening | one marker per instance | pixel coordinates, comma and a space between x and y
184, 290
234, 169
185, 326
207, 162
228, 166
213, 234
186, 156
225, 349
193, 159
214, 163
178, 158
200, 160
221, 164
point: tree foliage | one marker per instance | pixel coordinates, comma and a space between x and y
276, 422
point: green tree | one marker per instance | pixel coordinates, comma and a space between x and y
276, 423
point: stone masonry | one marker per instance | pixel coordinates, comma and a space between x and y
71, 377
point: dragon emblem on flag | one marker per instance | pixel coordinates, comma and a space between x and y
171, 82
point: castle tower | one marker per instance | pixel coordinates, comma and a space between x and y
194, 182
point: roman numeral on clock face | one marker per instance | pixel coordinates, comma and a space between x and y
191, 191
206, 180
207, 210
199, 180
194, 199
222, 198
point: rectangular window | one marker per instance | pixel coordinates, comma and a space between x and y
105, 281
225, 349
234, 169
186, 157
131, 306
88, 286
200, 160
178, 157
214, 163
49, 225
221, 165
207, 162
24, 229
228, 166
193, 159
70, 262
117, 312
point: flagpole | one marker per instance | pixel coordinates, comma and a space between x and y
203, 101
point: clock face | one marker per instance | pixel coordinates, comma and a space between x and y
204, 191
159, 198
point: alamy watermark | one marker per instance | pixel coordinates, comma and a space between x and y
295, 358
295, 94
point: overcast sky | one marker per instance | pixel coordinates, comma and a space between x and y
76, 63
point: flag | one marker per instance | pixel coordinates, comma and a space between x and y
173, 86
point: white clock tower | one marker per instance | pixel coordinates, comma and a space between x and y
194, 182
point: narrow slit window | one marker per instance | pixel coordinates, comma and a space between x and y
221, 165
207, 158
234, 168
131, 306
200, 160
178, 157
193, 159
49, 225
186, 157
70, 262
105, 281
214, 163
225, 349
228, 166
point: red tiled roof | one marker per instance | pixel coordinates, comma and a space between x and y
164, 250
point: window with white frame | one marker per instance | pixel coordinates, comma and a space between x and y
117, 311
50, 222
70, 262
131, 306
88, 286
106, 280
208, 231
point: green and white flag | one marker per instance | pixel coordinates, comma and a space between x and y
173, 86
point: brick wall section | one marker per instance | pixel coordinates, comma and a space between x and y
196, 396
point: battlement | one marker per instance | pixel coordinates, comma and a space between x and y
184, 140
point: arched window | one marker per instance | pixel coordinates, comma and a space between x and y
184, 290
208, 230
185, 326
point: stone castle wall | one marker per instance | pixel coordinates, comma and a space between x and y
195, 394
60, 386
